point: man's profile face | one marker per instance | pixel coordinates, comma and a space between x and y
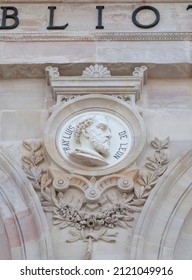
100, 135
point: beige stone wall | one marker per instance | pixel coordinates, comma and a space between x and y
166, 110
164, 102
33, 43
116, 17
24, 104
165, 105
23, 112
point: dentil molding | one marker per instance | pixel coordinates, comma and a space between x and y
96, 36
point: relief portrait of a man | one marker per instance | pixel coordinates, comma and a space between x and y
92, 136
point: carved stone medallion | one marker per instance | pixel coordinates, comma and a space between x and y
94, 139
94, 136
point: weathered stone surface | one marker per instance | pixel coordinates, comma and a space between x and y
159, 235
21, 94
116, 17
23, 228
18, 125
158, 225
37, 70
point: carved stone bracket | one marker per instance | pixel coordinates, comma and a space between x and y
96, 79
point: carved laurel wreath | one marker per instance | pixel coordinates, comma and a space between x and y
115, 207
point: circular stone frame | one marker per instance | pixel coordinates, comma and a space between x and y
100, 104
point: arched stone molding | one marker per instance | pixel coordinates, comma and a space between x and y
23, 228
158, 230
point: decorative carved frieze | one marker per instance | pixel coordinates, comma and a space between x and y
37, 70
93, 208
104, 36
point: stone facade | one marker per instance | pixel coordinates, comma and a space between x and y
59, 200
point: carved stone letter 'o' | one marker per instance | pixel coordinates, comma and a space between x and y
135, 21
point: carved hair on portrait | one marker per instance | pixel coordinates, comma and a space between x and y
92, 136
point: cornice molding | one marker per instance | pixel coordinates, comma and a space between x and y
107, 36
90, 1
37, 70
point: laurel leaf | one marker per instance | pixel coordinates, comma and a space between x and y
46, 203
73, 239
38, 158
82, 232
75, 232
122, 224
48, 182
162, 170
151, 166
27, 159
139, 202
136, 191
156, 143
46, 196
152, 159
36, 147
43, 180
48, 208
128, 218
146, 194
108, 239
141, 182
27, 146
165, 143
63, 225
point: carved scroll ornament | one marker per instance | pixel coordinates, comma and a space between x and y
92, 209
